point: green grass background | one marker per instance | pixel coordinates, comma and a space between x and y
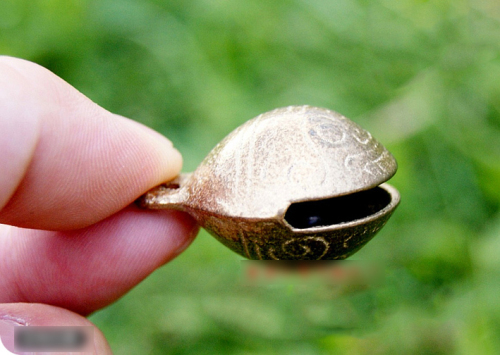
422, 76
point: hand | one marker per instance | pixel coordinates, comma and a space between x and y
70, 240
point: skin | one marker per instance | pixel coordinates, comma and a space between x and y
71, 241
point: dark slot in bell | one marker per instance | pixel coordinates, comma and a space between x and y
343, 209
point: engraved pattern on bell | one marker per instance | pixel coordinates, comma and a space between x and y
295, 183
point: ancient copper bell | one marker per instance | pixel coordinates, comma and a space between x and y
296, 183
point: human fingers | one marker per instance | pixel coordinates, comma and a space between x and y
65, 162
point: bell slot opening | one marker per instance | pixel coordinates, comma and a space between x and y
336, 210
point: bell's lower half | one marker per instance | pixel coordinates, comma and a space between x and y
276, 240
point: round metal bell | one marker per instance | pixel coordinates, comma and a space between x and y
295, 183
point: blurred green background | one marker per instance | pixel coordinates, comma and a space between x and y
422, 76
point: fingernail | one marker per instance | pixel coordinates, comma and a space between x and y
11, 321
15, 335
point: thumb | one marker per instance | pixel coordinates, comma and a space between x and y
65, 162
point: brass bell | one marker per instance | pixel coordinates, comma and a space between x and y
295, 183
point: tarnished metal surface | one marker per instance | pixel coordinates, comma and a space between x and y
243, 189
